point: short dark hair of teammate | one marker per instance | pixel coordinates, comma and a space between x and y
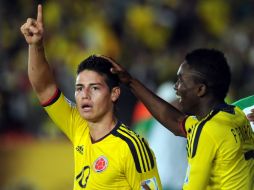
213, 68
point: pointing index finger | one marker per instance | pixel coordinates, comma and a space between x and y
39, 14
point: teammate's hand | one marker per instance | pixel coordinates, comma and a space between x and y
33, 29
250, 116
123, 75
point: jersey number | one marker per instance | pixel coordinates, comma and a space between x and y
83, 176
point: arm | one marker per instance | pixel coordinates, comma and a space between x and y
165, 113
39, 72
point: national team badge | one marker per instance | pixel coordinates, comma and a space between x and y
100, 164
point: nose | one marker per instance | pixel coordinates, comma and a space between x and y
85, 94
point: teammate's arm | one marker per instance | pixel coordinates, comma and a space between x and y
39, 72
165, 113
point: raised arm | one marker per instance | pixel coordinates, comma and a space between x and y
39, 72
165, 113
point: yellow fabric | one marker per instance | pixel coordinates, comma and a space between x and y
109, 163
219, 162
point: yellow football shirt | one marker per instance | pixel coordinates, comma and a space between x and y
219, 151
119, 161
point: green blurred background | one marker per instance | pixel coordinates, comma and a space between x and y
149, 37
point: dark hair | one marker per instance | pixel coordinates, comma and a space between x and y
213, 66
102, 66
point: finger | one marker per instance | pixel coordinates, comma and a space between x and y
30, 22
33, 30
112, 61
25, 30
39, 14
22, 28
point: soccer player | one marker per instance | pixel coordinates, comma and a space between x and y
107, 154
220, 142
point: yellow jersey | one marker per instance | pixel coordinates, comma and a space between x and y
220, 151
120, 160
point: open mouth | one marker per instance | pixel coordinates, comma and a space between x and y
86, 107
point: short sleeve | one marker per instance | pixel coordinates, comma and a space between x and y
65, 115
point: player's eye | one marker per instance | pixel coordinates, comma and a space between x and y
79, 88
94, 88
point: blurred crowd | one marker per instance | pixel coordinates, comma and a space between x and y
149, 37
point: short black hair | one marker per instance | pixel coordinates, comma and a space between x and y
102, 66
213, 66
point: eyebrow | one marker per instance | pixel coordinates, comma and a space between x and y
91, 84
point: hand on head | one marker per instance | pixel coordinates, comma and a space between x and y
32, 29
123, 75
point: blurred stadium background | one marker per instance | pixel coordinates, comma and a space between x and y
149, 37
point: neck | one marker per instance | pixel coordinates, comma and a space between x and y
100, 129
206, 107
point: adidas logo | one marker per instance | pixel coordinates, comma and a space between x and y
80, 149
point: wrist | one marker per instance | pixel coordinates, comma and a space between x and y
37, 46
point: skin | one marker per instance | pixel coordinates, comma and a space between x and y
250, 116
194, 97
95, 101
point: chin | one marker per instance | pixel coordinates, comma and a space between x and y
86, 117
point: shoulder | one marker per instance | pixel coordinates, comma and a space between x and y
137, 147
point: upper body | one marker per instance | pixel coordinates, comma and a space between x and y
203, 82
107, 154
218, 147
119, 160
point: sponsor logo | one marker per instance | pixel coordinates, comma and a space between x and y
100, 164
151, 183
80, 149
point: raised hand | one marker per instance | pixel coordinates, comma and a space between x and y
33, 29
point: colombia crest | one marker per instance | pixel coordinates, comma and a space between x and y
100, 164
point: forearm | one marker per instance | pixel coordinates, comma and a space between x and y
40, 74
165, 113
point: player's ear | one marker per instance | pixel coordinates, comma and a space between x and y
115, 93
201, 90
